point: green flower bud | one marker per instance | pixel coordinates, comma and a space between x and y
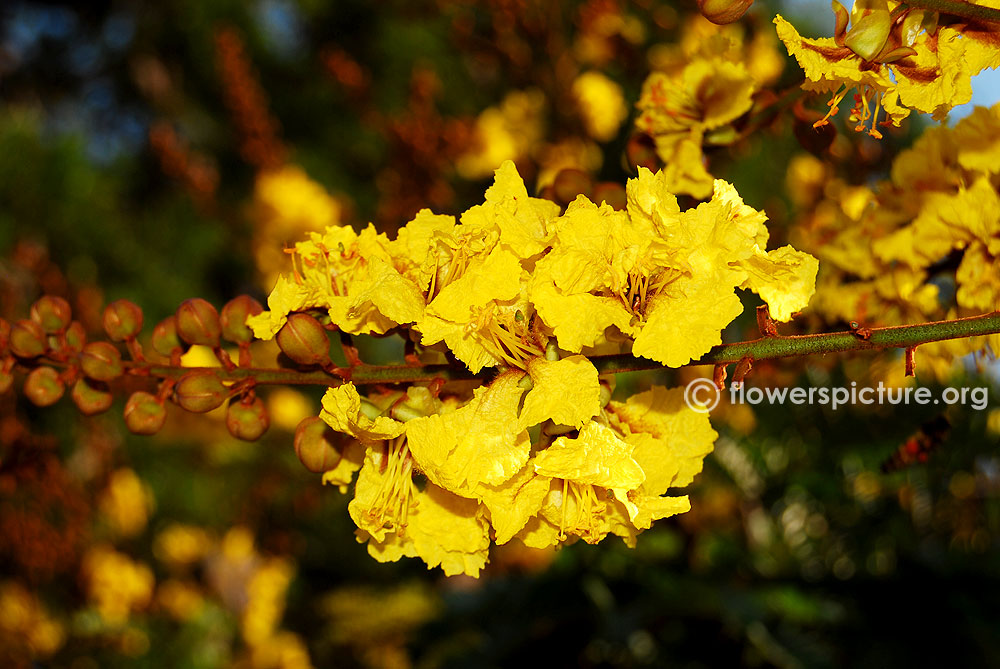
43, 387
101, 361
144, 413
199, 392
315, 445
76, 337
304, 340
234, 318
27, 339
165, 339
247, 421
122, 320
52, 313
721, 12
91, 397
198, 322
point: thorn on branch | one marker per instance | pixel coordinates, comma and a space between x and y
859, 331
743, 368
911, 352
766, 324
719, 377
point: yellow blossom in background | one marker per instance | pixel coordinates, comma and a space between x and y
895, 65
287, 206
115, 584
126, 502
510, 131
601, 104
287, 408
183, 600
27, 633
265, 605
180, 545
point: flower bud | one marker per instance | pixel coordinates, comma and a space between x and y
640, 151
315, 445
234, 318
76, 337
721, 12
814, 139
611, 193
247, 421
144, 413
52, 313
101, 361
91, 397
4, 335
43, 387
304, 340
198, 322
165, 339
27, 339
122, 320
200, 391
572, 182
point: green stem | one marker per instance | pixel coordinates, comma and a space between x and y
958, 8
765, 348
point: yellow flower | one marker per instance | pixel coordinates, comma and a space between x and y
678, 109
115, 584
601, 103
510, 131
180, 545
665, 277
287, 205
126, 502
27, 632
481, 442
352, 277
344, 411
442, 529
900, 65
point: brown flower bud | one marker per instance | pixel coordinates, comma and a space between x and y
247, 421
200, 391
91, 397
122, 320
165, 339
571, 182
198, 322
814, 139
101, 361
43, 387
144, 413
52, 313
315, 445
640, 151
76, 337
234, 318
304, 340
721, 12
27, 339
611, 193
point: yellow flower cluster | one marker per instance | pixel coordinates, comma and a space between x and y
541, 453
126, 502
887, 251
897, 58
27, 633
116, 585
699, 87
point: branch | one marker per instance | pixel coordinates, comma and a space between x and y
958, 8
765, 348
